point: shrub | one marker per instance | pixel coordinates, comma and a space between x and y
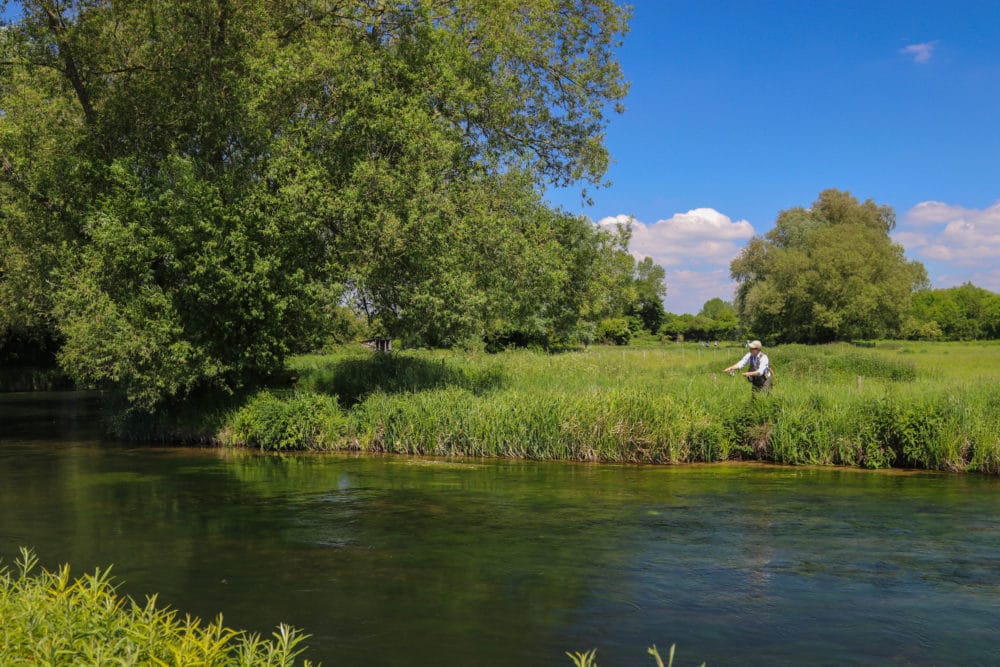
614, 330
300, 421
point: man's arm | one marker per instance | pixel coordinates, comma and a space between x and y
740, 364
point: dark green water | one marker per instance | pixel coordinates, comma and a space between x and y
394, 561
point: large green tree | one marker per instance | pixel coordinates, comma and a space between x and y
184, 183
570, 281
826, 273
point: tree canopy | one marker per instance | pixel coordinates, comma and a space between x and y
185, 185
965, 312
826, 273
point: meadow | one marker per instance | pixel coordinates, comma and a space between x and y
878, 405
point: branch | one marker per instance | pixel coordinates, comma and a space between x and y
59, 32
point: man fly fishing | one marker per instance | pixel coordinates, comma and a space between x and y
759, 372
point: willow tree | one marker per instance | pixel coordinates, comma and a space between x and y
830, 272
185, 182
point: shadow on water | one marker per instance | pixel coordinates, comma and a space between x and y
352, 380
51, 414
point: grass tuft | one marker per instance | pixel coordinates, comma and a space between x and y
50, 618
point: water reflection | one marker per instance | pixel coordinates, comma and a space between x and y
388, 560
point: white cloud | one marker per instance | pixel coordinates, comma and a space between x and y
695, 248
921, 53
911, 240
962, 237
936, 212
702, 235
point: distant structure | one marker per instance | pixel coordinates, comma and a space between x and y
378, 344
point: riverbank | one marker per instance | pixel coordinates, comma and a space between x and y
33, 378
922, 405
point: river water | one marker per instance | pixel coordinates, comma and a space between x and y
401, 561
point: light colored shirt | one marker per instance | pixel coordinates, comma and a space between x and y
759, 367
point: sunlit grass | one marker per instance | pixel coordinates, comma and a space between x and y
930, 405
50, 618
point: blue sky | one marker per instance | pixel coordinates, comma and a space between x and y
738, 110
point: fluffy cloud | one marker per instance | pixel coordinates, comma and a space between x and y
964, 236
959, 244
921, 53
703, 236
695, 248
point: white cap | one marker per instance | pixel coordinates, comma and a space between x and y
754, 345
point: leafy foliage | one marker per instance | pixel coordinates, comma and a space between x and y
176, 290
384, 154
716, 321
51, 619
966, 312
301, 421
650, 290
614, 330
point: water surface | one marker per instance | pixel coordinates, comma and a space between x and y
399, 561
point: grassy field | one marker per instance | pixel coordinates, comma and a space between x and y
927, 405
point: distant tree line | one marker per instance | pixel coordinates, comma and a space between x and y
717, 320
966, 312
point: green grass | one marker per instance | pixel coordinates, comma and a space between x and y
926, 405
49, 618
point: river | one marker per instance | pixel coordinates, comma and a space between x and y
403, 561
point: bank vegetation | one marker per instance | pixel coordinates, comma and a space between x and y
890, 404
52, 618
